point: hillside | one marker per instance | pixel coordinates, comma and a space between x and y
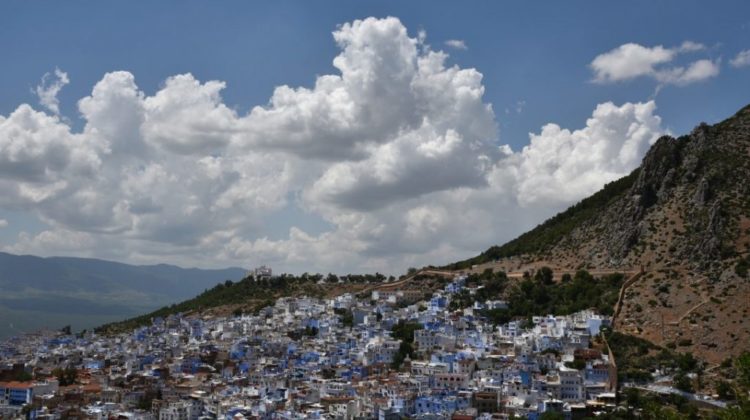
56, 291
683, 218
249, 295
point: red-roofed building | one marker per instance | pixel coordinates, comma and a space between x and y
16, 393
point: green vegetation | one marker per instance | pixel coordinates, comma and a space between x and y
553, 230
640, 405
742, 267
23, 376
67, 376
404, 331
252, 295
540, 295
644, 405
577, 364
552, 415
637, 359
347, 318
742, 365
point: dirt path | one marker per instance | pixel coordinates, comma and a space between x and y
407, 279
621, 297
686, 314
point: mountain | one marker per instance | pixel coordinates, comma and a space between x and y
57, 291
681, 223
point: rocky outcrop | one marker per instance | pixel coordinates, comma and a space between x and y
684, 218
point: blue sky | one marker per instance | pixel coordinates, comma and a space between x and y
534, 58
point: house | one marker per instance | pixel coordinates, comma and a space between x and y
16, 393
262, 273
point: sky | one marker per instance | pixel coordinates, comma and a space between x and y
335, 136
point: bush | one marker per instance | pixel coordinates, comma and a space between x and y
742, 267
682, 382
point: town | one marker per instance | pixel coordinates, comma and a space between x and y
387, 354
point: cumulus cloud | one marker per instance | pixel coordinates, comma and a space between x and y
36, 148
3, 223
114, 113
742, 59
457, 44
695, 72
562, 166
631, 60
50, 86
188, 117
559, 167
397, 154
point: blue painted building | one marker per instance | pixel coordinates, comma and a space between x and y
16, 393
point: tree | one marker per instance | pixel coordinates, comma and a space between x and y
544, 276
552, 415
682, 382
23, 376
404, 349
633, 397
686, 362
405, 330
725, 391
742, 364
65, 376
347, 318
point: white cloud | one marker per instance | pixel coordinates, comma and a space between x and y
187, 117
558, 168
48, 89
695, 72
630, 61
457, 44
562, 166
36, 147
397, 154
690, 46
742, 59
51, 242
3, 223
114, 113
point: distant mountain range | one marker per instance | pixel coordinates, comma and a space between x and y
57, 291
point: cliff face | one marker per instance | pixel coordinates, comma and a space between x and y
691, 191
684, 218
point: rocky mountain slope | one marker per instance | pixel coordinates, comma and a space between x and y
683, 219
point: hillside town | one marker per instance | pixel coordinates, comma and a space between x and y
387, 355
